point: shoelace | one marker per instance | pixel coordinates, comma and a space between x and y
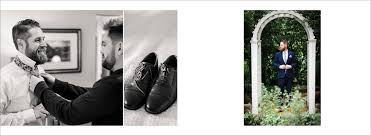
139, 71
164, 76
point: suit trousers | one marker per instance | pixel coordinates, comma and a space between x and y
285, 83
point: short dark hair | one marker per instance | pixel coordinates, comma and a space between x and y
115, 29
20, 30
285, 41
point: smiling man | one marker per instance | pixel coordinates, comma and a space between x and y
101, 104
18, 105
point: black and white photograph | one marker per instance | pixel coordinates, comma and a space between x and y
150, 68
61, 68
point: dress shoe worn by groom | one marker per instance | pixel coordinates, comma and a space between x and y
103, 103
18, 105
285, 63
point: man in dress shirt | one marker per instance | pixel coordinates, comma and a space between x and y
103, 103
285, 63
18, 105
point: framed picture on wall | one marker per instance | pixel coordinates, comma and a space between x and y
63, 50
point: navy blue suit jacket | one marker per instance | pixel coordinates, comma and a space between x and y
291, 60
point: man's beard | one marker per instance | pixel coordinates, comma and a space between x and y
39, 55
109, 62
282, 49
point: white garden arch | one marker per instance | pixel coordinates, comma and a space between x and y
256, 58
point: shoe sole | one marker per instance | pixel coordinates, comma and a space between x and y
167, 107
134, 108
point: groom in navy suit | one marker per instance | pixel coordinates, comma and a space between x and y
285, 63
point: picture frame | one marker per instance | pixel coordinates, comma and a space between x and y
63, 50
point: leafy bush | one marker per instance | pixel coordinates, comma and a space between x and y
311, 119
289, 110
251, 119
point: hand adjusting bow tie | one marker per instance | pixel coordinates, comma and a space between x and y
32, 70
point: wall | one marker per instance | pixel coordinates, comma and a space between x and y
84, 20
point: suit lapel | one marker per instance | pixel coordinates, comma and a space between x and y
288, 57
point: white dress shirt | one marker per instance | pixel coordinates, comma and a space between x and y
16, 100
285, 55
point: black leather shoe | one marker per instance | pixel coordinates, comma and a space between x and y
164, 92
144, 78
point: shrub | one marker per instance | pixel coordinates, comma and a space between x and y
250, 119
289, 110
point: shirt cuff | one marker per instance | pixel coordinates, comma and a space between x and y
28, 115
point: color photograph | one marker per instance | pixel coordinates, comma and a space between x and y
282, 65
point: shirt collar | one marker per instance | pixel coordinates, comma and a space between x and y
26, 60
286, 52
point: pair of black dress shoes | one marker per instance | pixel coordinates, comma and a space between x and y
153, 86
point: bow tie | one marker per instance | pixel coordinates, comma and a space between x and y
32, 70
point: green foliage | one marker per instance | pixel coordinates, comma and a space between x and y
297, 102
311, 119
287, 111
269, 101
250, 19
251, 119
247, 83
274, 31
271, 36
